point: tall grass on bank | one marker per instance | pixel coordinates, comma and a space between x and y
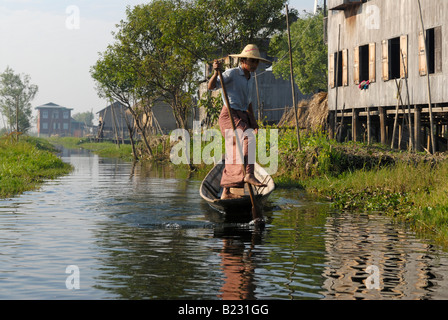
103, 149
321, 157
24, 165
415, 193
361, 178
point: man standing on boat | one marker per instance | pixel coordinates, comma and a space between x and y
240, 85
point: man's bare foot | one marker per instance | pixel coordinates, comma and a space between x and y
250, 178
226, 194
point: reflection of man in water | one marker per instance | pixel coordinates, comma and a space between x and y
238, 271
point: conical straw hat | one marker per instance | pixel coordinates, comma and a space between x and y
251, 51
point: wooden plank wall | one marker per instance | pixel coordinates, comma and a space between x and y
374, 23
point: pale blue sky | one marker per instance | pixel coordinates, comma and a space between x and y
35, 40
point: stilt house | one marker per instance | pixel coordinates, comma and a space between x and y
113, 122
388, 71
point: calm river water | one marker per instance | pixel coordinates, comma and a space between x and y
111, 231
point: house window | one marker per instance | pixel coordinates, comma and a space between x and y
55, 114
364, 63
434, 45
364, 66
65, 126
45, 125
45, 114
338, 69
65, 115
431, 50
395, 58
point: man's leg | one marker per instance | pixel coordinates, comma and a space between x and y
249, 158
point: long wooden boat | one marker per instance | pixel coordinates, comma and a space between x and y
211, 191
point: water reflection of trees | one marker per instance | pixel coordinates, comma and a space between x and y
154, 263
295, 248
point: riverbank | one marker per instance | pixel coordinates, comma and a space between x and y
356, 177
353, 177
26, 164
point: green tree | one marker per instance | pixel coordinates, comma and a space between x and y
212, 106
117, 80
232, 24
165, 70
16, 94
309, 53
206, 29
152, 65
84, 117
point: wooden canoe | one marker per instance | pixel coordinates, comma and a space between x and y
211, 191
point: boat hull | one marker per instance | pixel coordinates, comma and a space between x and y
235, 209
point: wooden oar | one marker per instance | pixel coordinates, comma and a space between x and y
256, 214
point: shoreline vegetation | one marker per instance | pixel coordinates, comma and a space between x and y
26, 164
351, 176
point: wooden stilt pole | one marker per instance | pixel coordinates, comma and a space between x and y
369, 125
418, 122
382, 112
337, 80
292, 82
396, 112
258, 98
411, 132
431, 119
339, 138
355, 124
115, 125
